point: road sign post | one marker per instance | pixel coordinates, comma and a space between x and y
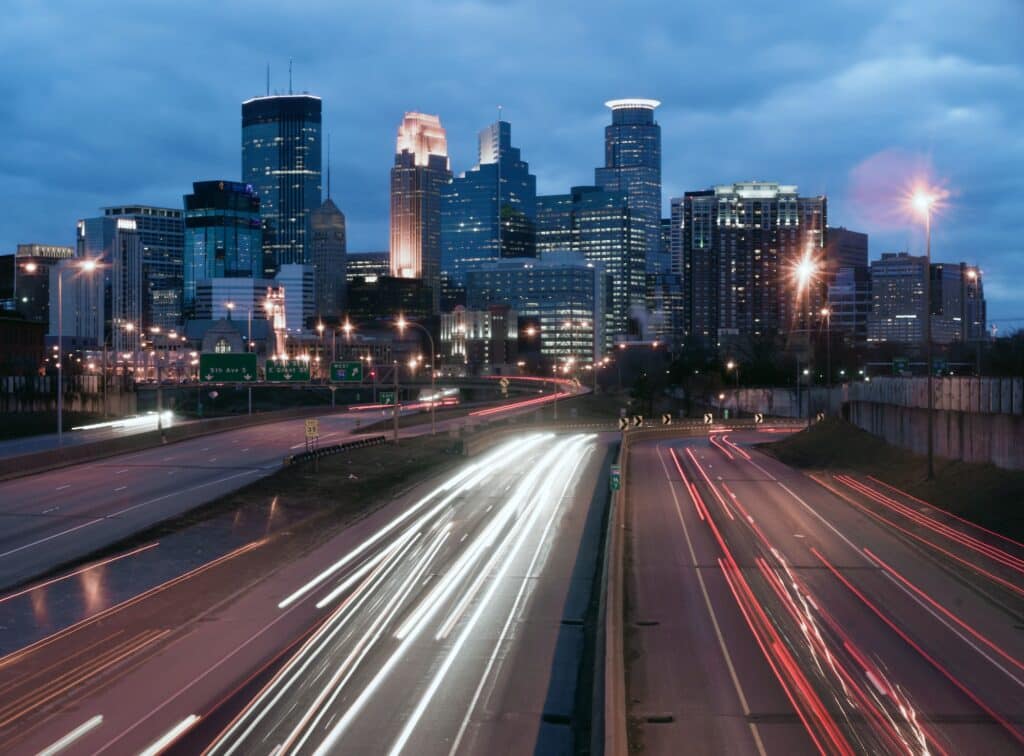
615, 479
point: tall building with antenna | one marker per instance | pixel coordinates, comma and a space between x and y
327, 224
281, 159
420, 172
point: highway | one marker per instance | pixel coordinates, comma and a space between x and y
55, 517
432, 625
772, 615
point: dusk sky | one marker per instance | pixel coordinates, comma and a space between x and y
104, 104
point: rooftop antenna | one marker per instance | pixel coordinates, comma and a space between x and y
289, 75
268, 78
498, 192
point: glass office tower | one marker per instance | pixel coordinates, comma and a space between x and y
471, 206
162, 234
223, 235
281, 159
420, 172
632, 164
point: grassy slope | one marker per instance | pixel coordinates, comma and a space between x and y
986, 494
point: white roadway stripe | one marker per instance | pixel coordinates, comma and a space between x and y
71, 737
503, 635
528, 484
711, 610
121, 512
170, 736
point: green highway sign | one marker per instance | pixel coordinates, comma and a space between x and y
900, 365
387, 397
347, 372
227, 368
616, 478
287, 370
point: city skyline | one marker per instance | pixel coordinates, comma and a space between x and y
832, 123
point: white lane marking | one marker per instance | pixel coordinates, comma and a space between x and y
711, 611
120, 488
51, 509
916, 599
86, 726
126, 509
61, 488
213, 459
245, 449
121, 471
170, 736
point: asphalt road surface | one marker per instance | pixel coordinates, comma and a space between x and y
769, 614
438, 624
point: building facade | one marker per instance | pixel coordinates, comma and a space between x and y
30, 278
281, 159
897, 298
481, 340
563, 292
223, 235
488, 212
78, 312
849, 303
599, 225
632, 164
221, 298
420, 172
162, 234
739, 247
329, 259
359, 265
117, 246
299, 286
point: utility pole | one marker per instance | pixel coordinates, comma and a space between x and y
394, 411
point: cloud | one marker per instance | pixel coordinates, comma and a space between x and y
100, 108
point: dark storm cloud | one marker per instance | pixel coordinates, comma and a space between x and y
104, 103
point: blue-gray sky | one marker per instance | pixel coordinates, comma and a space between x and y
105, 103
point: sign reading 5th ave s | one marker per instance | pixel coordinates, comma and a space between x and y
227, 368
347, 372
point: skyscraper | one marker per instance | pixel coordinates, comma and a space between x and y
599, 224
223, 235
632, 164
329, 259
31, 278
116, 244
420, 172
740, 244
281, 159
472, 204
162, 234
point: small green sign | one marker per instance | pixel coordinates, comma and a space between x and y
347, 372
900, 365
291, 371
616, 478
387, 397
940, 366
227, 368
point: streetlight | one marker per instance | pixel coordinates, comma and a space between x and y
734, 366
85, 266
402, 323
924, 200
827, 314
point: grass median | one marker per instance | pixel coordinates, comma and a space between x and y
985, 494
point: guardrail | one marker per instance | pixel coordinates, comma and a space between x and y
327, 451
611, 608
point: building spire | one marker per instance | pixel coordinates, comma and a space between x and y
289, 75
268, 78
328, 165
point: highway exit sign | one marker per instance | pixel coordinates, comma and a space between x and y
227, 368
616, 478
347, 372
287, 370
387, 397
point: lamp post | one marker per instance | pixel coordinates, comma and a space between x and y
402, 323
86, 266
320, 349
924, 201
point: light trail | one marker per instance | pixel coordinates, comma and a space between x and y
88, 726
530, 482
170, 736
